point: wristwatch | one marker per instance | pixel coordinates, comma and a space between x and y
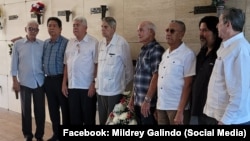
147, 99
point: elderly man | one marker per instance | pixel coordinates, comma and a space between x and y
28, 78
176, 72
228, 96
143, 100
79, 73
115, 69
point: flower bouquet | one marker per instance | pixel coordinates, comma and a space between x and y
121, 115
38, 10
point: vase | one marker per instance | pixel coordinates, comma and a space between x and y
220, 9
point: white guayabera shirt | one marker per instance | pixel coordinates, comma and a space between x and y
228, 96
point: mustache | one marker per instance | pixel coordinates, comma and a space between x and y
202, 37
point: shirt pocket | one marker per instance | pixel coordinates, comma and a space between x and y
85, 56
112, 58
175, 68
218, 66
145, 65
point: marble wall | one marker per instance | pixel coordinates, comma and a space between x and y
128, 13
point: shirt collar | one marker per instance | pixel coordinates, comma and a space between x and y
177, 49
232, 39
149, 44
57, 40
113, 40
85, 39
26, 40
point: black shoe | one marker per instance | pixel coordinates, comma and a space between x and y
53, 139
28, 139
39, 139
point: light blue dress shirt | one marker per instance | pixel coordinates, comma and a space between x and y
26, 62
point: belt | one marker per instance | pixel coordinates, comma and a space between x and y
54, 76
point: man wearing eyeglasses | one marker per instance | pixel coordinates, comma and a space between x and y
176, 71
28, 78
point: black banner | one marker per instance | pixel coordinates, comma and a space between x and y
239, 133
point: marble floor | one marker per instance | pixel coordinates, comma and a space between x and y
11, 130
10, 126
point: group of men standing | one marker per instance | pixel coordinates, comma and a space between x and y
67, 72
76, 74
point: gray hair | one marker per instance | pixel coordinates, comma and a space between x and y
236, 17
81, 19
181, 23
111, 21
151, 26
32, 22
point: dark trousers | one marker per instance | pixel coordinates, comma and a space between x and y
106, 105
39, 111
56, 102
212, 121
141, 120
82, 108
206, 120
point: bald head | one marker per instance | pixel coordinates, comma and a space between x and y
149, 25
146, 32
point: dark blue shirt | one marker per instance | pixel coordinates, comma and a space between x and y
53, 56
147, 64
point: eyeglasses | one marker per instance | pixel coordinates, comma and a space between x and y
172, 31
78, 48
31, 29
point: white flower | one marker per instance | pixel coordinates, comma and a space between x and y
123, 116
132, 122
116, 119
119, 108
120, 115
111, 123
126, 93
